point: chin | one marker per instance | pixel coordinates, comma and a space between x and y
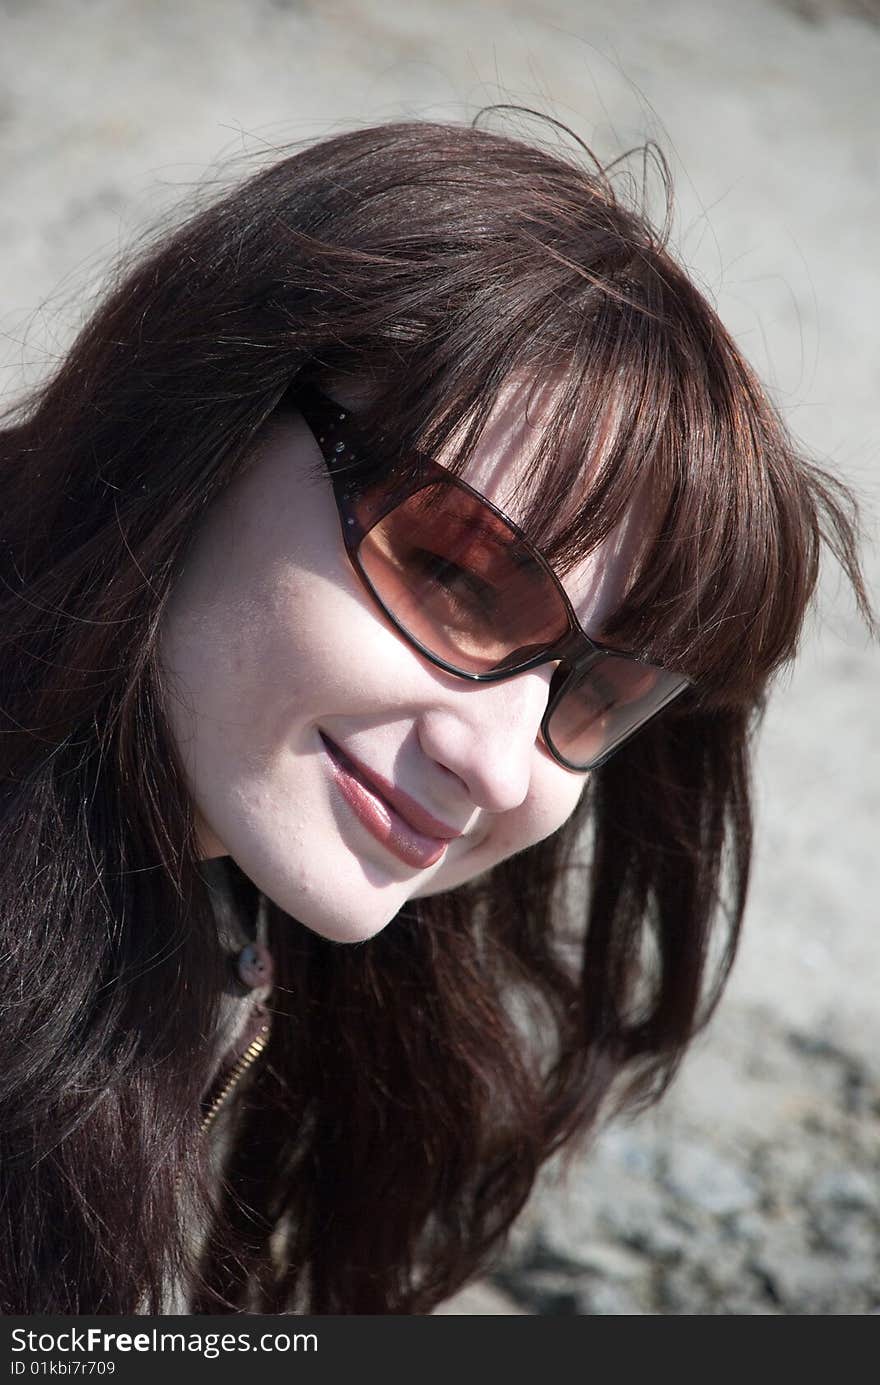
334, 923
344, 931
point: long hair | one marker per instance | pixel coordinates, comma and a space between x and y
413, 1085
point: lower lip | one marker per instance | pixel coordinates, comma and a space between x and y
379, 818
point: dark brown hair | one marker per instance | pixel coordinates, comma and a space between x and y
413, 1085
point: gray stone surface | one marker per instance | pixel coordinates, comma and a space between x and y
752, 1188
766, 1218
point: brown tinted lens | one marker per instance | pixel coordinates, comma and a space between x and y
606, 705
460, 581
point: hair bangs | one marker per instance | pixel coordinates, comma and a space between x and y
730, 545
648, 406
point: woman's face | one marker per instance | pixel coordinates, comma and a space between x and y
297, 709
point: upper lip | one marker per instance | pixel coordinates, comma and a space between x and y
412, 812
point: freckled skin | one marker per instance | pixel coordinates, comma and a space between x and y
269, 639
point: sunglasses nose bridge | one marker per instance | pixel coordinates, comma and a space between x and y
575, 652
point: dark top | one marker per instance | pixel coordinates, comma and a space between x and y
243, 932
245, 1017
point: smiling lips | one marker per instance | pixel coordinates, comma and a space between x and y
393, 818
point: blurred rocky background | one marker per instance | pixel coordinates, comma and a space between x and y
753, 1188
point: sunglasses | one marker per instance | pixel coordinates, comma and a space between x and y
465, 587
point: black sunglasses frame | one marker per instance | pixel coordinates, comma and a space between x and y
341, 446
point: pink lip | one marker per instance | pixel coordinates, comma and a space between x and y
395, 819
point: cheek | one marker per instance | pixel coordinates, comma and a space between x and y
553, 797
250, 674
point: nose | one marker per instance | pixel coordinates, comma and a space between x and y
486, 735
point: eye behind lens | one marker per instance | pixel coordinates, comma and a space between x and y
607, 705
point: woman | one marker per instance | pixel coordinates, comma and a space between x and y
400, 557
